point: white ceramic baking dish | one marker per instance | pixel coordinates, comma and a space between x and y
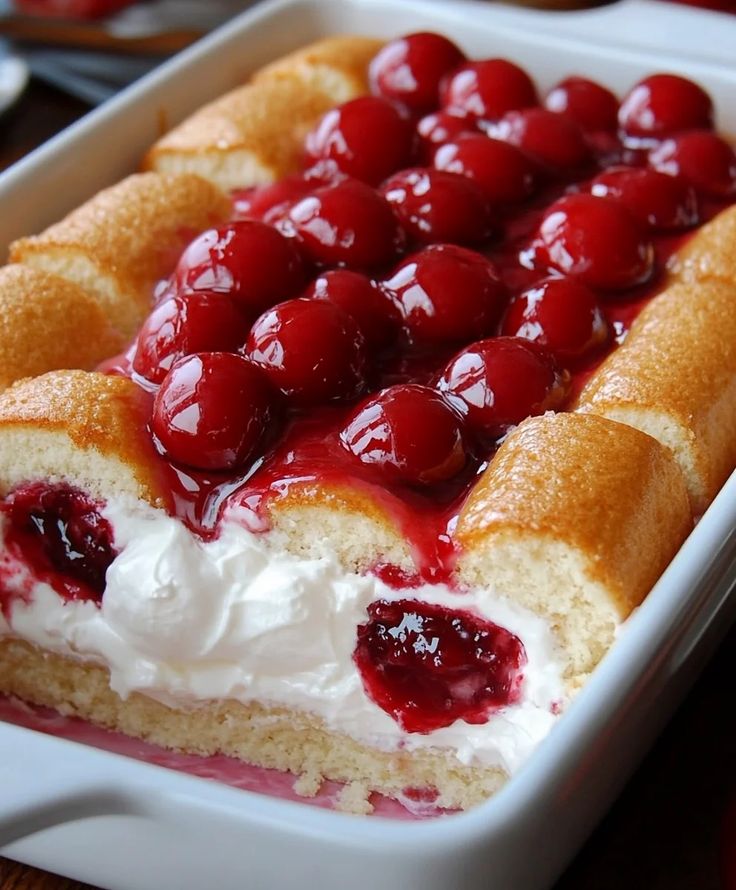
120, 823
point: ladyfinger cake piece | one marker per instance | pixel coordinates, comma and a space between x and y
255, 133
331, 511
120, 243
47, 322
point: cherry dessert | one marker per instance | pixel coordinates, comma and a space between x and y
488, 89
664, 104
702, 158
657, 200
439, 127
429, 666
554, 141
60, 533
593, 107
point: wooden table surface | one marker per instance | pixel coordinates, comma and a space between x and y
666, 830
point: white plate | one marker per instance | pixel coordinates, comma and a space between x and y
123, 824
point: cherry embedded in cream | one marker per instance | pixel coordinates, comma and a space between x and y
428, 666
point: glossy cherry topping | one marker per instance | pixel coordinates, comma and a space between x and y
500, 381
703, 159
409, 70
593, 107
554, 141
267, 202
506, 175
561, 314
439, 127
312, 350
428, 666
408, 432
373, 310
447, 294
367, 138
346, 224
247, 259
213, 411
664, 104
200, 321
60, 533
657, 200
435, 206
595, 240
488, 89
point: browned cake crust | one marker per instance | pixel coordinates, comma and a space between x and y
711, 252
118, 244
85, 428
47, 323
275, 738
675, 378
254, 134
575, 518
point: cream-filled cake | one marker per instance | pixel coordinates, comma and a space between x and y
408, 427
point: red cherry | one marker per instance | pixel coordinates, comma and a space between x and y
434, 205
664, 104
590, 105
500, 381
655, 199
267, 202
428, 666
247, 259
409, 70
212, 411
312, 351
595, 240
488, 89
187, 323
559, 313
61, 534
375, 314
703, 159
409, 432
447, 294
439, 127
346, 224
504, 173
554, 141
367, 138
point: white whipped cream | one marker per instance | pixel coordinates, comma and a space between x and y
184, 620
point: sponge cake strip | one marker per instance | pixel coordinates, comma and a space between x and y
48, 323
85, 428
711, 252
118, 244
575, 518
674, 377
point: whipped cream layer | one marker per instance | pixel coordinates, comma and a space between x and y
185, 620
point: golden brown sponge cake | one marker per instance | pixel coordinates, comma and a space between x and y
118, 244
710, 253
82, 427
47, 323
254, 134
575, 518
674, 377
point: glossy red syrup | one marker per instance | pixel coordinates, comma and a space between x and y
428, 666
59, 533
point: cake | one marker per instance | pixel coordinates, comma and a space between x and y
404, 434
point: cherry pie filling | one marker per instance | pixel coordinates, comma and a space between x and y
454, 258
